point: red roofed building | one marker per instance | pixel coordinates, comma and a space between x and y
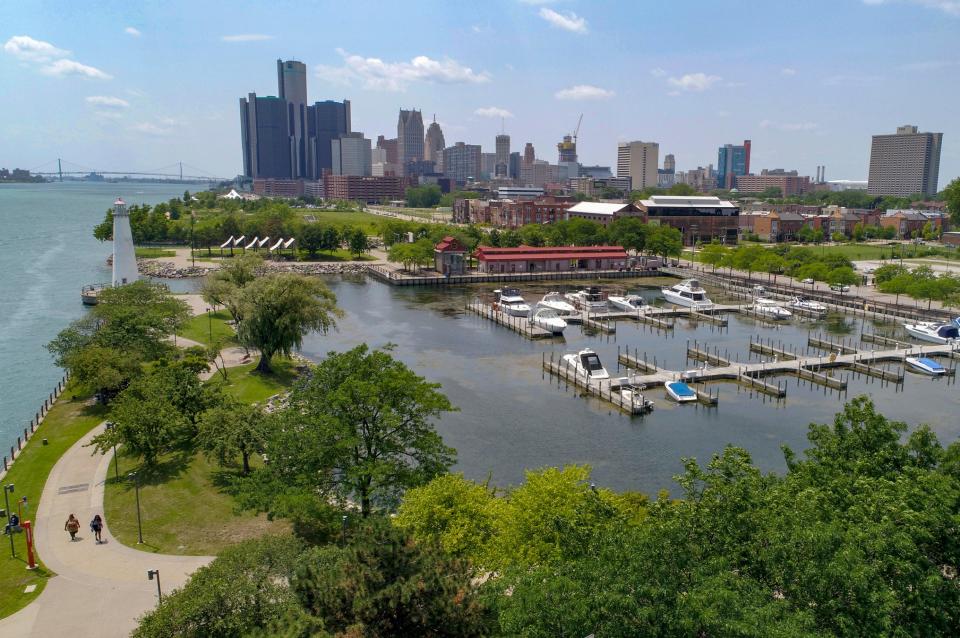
449, 256
549, 259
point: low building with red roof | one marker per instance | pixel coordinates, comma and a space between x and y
449, 256
549, 259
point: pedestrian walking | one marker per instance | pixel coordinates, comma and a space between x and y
96, 526
73, 526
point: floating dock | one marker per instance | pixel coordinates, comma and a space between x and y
606, 389
522, 325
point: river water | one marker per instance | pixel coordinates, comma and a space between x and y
512, 416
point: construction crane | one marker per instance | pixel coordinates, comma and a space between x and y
568, 147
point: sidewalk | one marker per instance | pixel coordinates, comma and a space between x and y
99, 590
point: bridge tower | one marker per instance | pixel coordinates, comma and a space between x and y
60, 169
124, 258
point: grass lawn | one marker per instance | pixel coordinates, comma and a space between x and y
201, 327
63, 426
336, 255
185, 506
250, 386
368, 221
151, 252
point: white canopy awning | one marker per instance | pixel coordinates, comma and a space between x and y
255, 241
276, 245
227, 243
263, 242
239, 240
289, 242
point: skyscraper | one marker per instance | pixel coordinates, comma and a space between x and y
513, 172
732, 161
265, 138
433, 142
567, 149
638, 161
526, 165
461, 162
351, 155
669, 163
409, 138
502, 165
905, 163
292, 88
326, 122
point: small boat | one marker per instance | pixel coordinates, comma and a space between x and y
590, 299
556, 302
933, 332
687, 293
926, 366
802, 303
511, 302
681, 392
770, 309
549, 320
633, 394
630, 303
586, 364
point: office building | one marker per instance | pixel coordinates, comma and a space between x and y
905, 163
461, 162
433, 142
790, 183
351, 155
597, 172
670, 163
638, 161
567, 149
366, 189
292, 89
513, 171
732, 161
697, 218
600, 187
264, 136
410, 137
326, 122
603, 212
502, 156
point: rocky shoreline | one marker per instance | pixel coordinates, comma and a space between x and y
168, 270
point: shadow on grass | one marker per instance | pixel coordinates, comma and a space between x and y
166, 469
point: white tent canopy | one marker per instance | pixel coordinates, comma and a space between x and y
289, 242
276, 245
263, 242
227, 243
252, 244
239, 240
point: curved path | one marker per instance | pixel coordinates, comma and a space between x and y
99, 590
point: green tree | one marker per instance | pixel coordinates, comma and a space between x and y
311, 239
138, 317
713, 254
357, 241
280, 309
232, 429
681, 189
102, 371
951, 195
769, 262
842, 276
665, 241
629, 232
222, 287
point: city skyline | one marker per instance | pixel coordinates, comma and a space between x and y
105, 89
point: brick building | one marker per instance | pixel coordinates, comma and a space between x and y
363, 188
790, 183
603, 213
549, 259
697, 218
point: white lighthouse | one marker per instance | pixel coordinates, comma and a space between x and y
124, 258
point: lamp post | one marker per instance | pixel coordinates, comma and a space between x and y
116, 463
154, 574
193, 219
210, 323
7, 490
136, 487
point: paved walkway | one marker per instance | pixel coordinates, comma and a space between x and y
99, 590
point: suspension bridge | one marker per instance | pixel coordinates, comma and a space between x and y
60, 168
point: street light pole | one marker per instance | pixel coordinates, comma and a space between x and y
136, 487
210, 324
154, 574
6, 499
116, 463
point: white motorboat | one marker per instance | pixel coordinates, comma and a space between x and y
590, 299
802, 303
633, 394
510, 301
681, 392
549, 320
770, 309
933, 332
558, 303
687, 293
586, 364
926, 366
630, 303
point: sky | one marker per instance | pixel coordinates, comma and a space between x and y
119, 85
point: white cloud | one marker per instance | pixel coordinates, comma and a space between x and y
950, 7
788, 71
584, 92
163, 127
107, 101
377, 74
658, 72
568, 21
30, 50
536, 2
694, 81
789, 126
246, 37
135, 32
493, 111
63, 68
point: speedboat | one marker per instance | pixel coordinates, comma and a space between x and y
770, 308
681, 392
556, 302
586, 364
511, 302
630, 303
549, 320
687, 293
926, 366
633, 394
590, 299
933, 332
802, 303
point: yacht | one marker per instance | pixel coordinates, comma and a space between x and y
681, 392
511, 302
558, 303
802, 303
633, 394
590, 299
630, 303
586, 364
933, 332
687, 293
926, 366
770, 309
549, 320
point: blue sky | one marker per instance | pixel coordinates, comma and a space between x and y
141, 85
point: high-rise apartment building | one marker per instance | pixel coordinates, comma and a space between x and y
905, 163
488, 165
265, 138
326, 122
433, 142
461, 162
513, 171
409, 138
732, 162
638, 161
292, 88
669, 163
351, 155
502, 165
